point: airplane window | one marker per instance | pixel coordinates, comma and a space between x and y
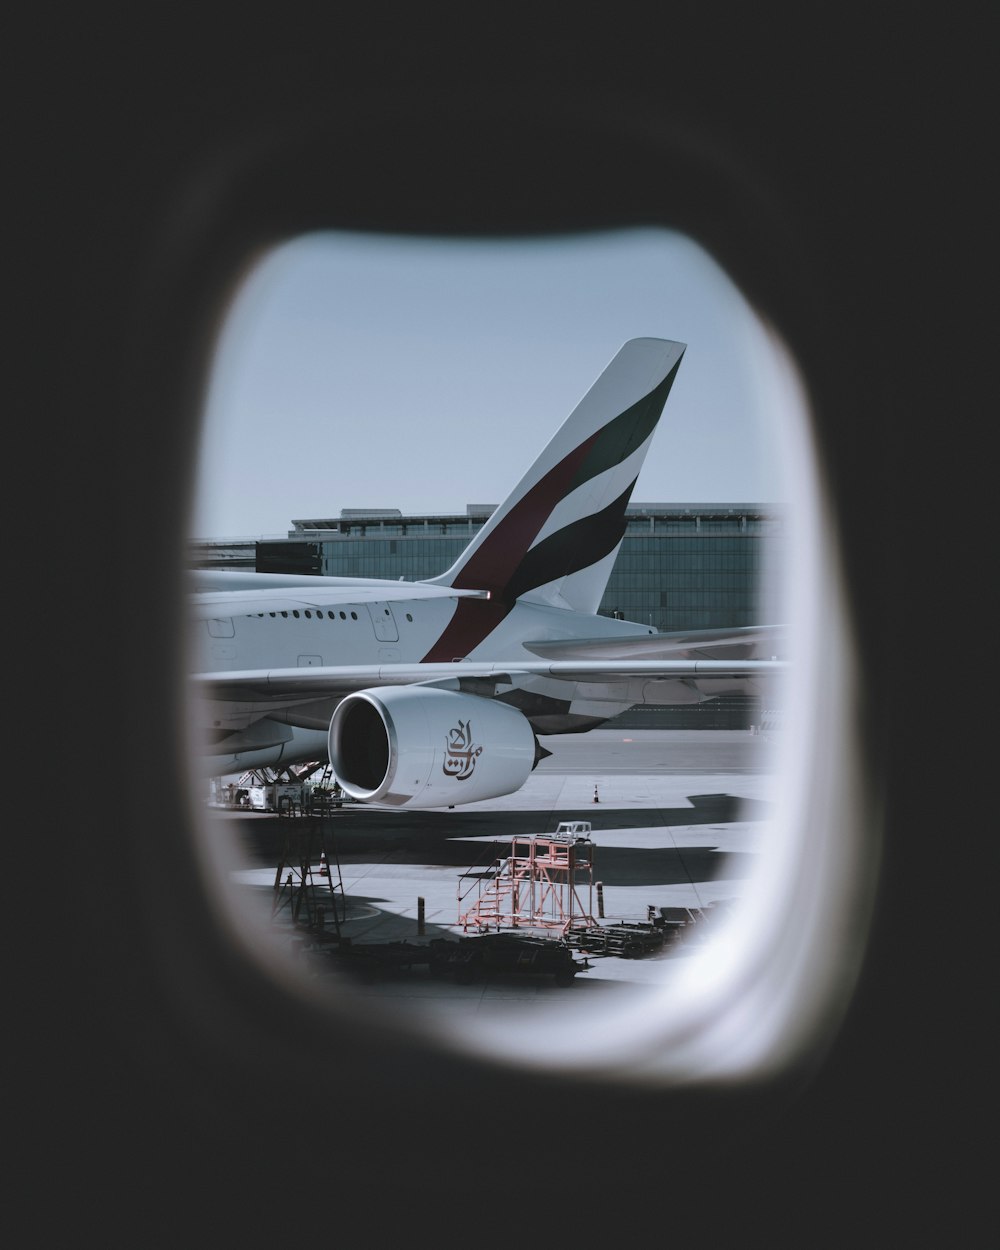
652, 634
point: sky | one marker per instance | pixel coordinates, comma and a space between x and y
359, 371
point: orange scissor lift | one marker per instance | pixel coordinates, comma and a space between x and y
538, 886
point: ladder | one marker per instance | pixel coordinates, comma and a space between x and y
537, 886
307, 877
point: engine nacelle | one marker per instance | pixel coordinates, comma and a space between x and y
410, 746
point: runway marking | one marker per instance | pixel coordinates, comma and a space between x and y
363, 911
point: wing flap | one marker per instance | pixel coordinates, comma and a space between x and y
302, 684
747, 643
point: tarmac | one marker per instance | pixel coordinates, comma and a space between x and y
678, 819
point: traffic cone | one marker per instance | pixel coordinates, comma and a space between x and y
324, 868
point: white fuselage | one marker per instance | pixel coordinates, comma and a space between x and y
404, 631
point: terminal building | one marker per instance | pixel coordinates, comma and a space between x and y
680, 566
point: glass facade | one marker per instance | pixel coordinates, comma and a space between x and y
679, 567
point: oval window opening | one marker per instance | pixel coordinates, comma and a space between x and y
584, 466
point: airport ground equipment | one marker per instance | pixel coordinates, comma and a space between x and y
487, 955
307, 878
541, 884
464, 960
302, 786
624, 939
633, 939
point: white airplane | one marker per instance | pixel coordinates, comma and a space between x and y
432, 693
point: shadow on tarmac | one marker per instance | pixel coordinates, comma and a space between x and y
426, 834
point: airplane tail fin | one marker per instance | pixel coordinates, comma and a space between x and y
555, 539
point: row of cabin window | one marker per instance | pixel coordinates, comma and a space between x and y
319, 612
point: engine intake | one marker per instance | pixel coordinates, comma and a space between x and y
411, 746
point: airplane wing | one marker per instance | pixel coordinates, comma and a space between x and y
240, 698
342, 679
656, 669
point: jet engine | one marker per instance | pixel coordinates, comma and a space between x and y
413, 746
